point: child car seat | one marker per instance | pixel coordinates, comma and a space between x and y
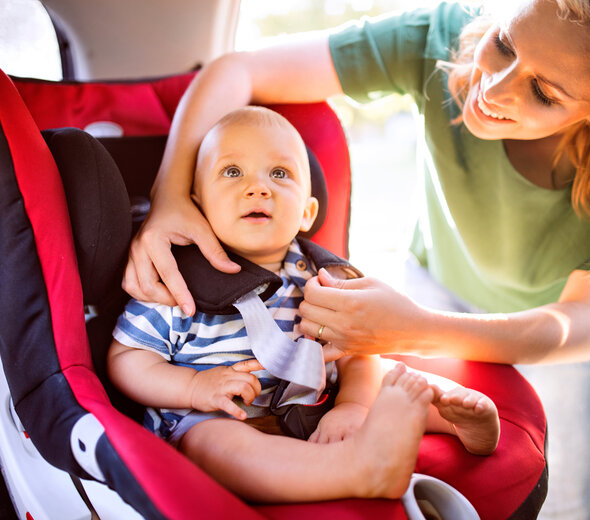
62, 404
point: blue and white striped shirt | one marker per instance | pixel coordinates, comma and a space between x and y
206, 340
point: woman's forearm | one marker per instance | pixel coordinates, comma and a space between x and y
300, 70
366, 316
555, 333
207, 98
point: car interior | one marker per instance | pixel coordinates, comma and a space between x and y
71, 447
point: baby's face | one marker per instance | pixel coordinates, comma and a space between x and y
252, 183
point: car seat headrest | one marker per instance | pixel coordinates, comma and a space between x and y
98, 205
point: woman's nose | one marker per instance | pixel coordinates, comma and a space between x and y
499, 74
499, 88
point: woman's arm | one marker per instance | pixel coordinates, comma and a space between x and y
366, 316
299, 70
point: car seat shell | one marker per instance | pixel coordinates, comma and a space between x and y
61, 388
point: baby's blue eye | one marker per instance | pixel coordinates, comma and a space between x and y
278, 173
232, 171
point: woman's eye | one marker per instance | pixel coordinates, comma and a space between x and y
540, 95
232, 171
278, 173
502, 47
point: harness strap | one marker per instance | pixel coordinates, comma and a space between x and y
301, 362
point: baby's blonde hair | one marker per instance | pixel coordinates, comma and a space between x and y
575, 142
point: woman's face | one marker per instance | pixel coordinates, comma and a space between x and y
531, 75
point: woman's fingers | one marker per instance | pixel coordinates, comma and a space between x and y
332, 352
142, 281
332, 293
312, 325
171, 280
212, 251
152, 272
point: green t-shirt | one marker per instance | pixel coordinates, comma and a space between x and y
489, 235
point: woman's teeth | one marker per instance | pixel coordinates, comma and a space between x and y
486, 111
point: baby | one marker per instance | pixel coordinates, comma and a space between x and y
199, 374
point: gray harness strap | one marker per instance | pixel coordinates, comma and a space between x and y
301, 362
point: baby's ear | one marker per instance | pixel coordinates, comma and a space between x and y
309, 214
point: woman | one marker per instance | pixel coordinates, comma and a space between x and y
506, 174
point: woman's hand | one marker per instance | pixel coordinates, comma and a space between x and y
360, 316
151, 273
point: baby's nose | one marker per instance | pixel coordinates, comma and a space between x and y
258, 189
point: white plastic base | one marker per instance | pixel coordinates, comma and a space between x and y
108, 504
429, 497
38, 490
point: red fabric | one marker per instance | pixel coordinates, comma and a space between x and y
140, 108
496, 485
157, 466
42, 191
45, 203
147, 108
350, 509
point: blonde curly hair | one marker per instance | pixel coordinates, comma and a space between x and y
576, 140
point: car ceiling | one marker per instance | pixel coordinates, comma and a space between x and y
130, 39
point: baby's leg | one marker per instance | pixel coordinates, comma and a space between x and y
375, 462
468, 414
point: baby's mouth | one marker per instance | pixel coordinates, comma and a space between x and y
256, 215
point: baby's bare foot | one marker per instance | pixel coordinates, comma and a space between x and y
472, 416
387, 443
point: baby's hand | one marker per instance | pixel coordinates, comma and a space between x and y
340, 422
215, 388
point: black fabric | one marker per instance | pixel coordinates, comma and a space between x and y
48, 415
214, 292
301, 420
138, 159
319, 191
40, 392
25, 328
100, 336
99, 209
120, 478
323, 257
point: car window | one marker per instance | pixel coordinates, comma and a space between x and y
28, 43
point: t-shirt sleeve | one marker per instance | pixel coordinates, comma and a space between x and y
151, 326
584, 266
396, 53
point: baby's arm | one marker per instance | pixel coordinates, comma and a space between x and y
360, 380
149, 379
